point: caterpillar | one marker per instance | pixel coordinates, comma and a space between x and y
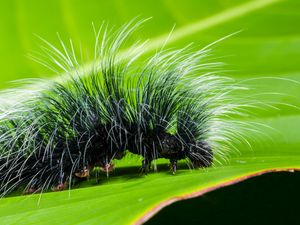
171, 105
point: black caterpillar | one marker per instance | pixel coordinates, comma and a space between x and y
169, 106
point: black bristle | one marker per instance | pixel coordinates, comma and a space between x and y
166, 107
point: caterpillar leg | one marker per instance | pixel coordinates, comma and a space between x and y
146, 165
84, 173
60, 183
60, 187
31, 189
173, 163
108, 167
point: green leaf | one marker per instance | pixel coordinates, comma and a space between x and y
268, 46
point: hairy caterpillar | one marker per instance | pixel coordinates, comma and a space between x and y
170, 105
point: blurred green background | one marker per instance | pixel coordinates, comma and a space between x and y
268, 45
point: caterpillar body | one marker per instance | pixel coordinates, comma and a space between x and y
170, 105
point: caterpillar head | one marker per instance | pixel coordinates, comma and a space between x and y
200, 154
